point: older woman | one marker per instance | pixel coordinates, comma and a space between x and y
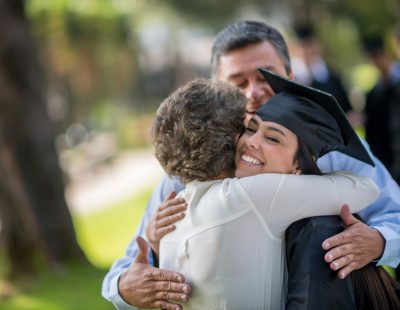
230, 243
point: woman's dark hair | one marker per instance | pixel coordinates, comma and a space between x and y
306, 160
374, 288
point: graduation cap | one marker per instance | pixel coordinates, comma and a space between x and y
314, 116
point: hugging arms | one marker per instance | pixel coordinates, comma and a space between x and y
237, 52
173, 275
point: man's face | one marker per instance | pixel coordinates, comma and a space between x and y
239, 67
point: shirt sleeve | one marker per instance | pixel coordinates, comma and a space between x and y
384, 213
110, 282
293, 197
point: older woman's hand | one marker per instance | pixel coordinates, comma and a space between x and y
162, 222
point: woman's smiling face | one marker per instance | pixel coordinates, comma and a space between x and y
266, 147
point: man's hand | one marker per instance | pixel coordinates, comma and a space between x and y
161, 223
146, 287
355, 247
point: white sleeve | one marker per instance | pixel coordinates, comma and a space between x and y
283, 199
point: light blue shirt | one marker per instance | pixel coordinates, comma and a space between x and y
383, 215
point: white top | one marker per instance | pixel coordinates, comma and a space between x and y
230, 245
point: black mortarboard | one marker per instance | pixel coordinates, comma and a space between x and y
314, 116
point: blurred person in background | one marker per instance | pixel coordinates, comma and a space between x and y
237, 52
381, 107
311, 69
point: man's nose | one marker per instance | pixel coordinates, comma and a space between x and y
254, 92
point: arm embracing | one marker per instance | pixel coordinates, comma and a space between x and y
323, 195
293, 197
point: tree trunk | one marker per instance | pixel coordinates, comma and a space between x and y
33, 212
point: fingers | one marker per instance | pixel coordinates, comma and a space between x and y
342, 262
170, 286
172, 296
170, 196
344, 272
353, 248
338, 252
170, 202
162, 304
141, 257
164, 275
169, 291
168, 220
337, 240
173, 208
347, 217
161, 232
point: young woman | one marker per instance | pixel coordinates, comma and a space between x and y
230, 243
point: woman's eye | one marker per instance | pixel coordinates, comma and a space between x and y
272, 139
249, 129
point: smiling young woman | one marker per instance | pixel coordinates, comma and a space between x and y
268, 147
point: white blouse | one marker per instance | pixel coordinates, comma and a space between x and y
230, 245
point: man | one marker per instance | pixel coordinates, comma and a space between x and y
313, 69
237, 52
380, 105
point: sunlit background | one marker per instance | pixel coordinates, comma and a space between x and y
107, 64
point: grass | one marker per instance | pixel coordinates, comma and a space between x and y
76, 287
103, 236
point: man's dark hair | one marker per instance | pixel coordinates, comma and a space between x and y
244, 33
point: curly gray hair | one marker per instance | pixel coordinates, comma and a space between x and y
196, 128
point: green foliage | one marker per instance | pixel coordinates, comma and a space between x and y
371, 17
106, 8
364, 77
216, 13
134, 132
338, 36
96, 52
391, 271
